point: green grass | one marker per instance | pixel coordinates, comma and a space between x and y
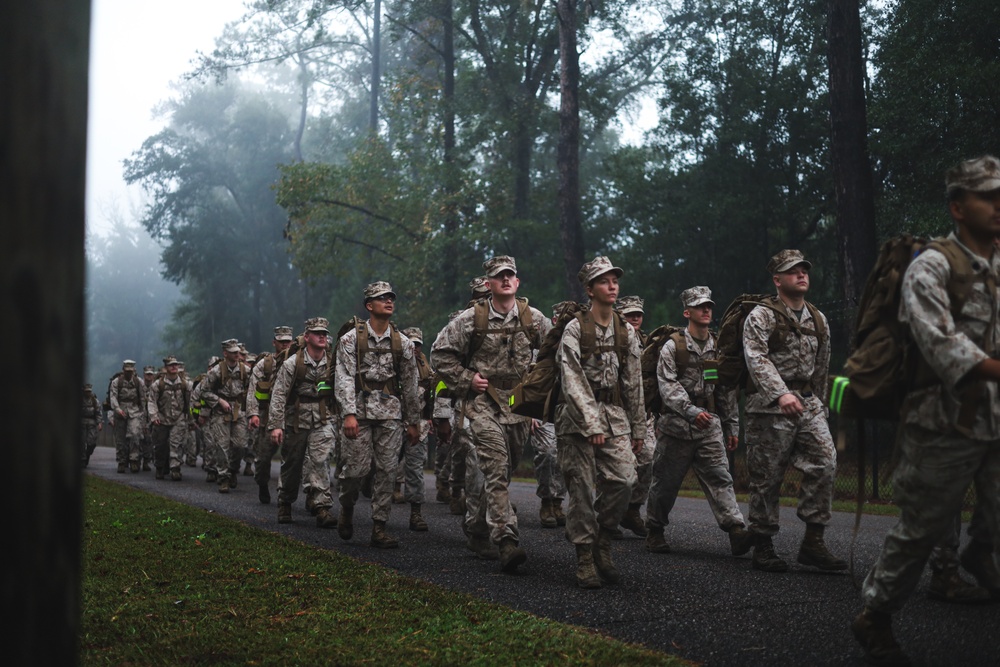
168, 584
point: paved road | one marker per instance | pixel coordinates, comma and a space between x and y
697, 602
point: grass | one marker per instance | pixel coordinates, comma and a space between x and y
169, 584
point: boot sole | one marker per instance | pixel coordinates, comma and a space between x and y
832, 567
516, 560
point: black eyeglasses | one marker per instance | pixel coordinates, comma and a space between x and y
385, 297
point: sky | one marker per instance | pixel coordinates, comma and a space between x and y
137, 48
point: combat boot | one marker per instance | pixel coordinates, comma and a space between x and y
232, 477
586, 573
633, 520
284, 513
248, 469
381, 539
310, 507
873, 630
546, 515
443, 495
813, 551
175, 474
482, 547
133, 466
764, 557
978, 560
145, 465
212, 477
397, 494
324, 519
740, 540
557, 510
948, 585
223, 485
345, 522
655, 542
602, 558
263, 494
121, 467
417, 522
511, 555
457, 504
160, 474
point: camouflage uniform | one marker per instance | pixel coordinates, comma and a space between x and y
258, 405
498, 435
939, 458
607, 471
384, 400
799, 365
148, 375
169, 404
300, 405
128, 396
680, 444
410, 475
227, 431
90, 423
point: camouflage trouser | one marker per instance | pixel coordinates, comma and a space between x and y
773, 443
207, 449
192, 447
410, 471
380, 440
671, 462
546, 460
599, 482
472, 480
944, 555
168, 444
305, 461
498, 447
88, 438
644, 464
264, 451
222, 438
443, 463
929, 486
146, 444
128, 439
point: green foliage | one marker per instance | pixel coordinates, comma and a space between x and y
162, 582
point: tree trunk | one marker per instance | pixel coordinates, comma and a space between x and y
376, 82
43, 121
568, 157
852, 173
450, 268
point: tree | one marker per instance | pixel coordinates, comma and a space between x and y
570, 224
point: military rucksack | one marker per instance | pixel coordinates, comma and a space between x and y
481, 326
107, 396
392, 385
885, 364
732, 360
650, 357
537, 395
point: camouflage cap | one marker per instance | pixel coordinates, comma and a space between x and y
170, 360
696, 296
495, 265
377, 289
629, 304
88, 387
283, 333
597, 267
785, 260
230, 345
251, 358
981, 174
414, 334
318, 324
128, 364
149, 370
479, 286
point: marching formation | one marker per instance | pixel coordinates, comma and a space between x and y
616, 417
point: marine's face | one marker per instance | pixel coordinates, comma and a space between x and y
504, 283
604, 288
700, 314
978, 212
794, 281
635, 319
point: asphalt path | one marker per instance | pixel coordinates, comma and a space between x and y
697, 602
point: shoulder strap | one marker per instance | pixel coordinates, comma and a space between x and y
588, 334
682, 357
961, 277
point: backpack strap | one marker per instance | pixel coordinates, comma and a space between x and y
390, 386
481, 327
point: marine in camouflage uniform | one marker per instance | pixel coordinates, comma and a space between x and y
223, 390
148, 375
786, 420
600, 423
699, 425
550, 485
950, 429
90, 423
168, 406
410, 470
632, 308
300, 422
191, 439
378, 399
481, 368
127, 397
258, 403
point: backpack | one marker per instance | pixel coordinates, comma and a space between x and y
732, 360
885, 364
360, 326
107, 396
537, 395
481, 326
650, 357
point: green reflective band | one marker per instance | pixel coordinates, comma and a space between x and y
321, 385
441, 386
840, 384
261, 396
710, 374
510, 401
